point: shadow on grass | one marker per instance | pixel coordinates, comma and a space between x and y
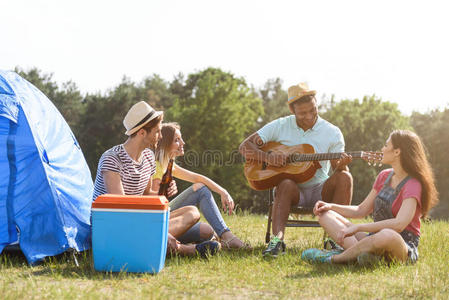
325, 270
12, 259
329, 270
64, 265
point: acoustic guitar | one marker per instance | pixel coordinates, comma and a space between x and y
302, 163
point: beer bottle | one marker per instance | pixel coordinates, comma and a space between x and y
166, 179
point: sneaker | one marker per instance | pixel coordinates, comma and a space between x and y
314, 255
329, 244
368, 259
275, 246
207, 248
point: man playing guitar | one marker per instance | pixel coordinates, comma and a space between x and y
303, 127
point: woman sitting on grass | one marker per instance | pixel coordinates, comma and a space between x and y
399, 198
198, 194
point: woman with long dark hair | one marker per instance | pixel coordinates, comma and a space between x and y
199, 194
400, 197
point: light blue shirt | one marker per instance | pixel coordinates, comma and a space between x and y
323, 136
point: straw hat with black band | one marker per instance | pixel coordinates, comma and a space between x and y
138, 116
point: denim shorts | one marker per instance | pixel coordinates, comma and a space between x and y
412, 253
193, 234
203, 199
411, 241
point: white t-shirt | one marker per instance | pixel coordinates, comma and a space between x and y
323, 136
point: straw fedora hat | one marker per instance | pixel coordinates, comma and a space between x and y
295, 92
138, 116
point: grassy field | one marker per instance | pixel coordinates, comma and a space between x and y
239, 274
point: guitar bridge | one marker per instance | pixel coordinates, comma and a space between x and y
264, 166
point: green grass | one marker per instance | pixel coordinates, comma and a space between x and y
239, 274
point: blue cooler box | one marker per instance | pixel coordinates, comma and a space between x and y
129, 233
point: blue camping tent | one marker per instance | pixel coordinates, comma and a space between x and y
45, 183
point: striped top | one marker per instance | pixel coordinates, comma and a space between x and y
134, 175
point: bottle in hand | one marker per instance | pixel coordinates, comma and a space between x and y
166, 179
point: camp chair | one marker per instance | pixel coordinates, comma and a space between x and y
290, 222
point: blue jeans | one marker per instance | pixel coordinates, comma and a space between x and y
203, 199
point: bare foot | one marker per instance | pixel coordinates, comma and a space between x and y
187, 250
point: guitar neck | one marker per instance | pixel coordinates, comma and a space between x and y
322, 156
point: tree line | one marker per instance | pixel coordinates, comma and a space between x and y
217, 110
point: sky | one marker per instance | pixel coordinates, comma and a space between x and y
397, 50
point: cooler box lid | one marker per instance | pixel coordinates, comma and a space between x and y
131, 202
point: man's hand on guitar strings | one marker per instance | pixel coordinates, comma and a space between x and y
277, 159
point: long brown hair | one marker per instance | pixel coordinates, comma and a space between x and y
168, 133
414, 162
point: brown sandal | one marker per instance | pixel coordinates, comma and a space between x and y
226, 245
